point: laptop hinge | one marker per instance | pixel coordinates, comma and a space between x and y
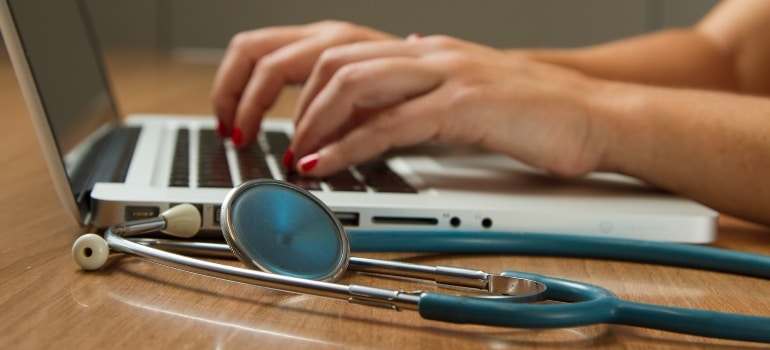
107, 161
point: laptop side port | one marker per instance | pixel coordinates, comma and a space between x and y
349, 219
399, 220
139, 212
217, 217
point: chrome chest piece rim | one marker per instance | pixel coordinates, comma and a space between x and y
276, 227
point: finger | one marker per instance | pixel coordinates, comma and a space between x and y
409, 123
287, 65
370, 84
243, 52
332, 59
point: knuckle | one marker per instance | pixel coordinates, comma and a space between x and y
268, 64
348, 77
443, 41
331, 23
459, 62
341, 31
240, 41
340, 26
330, 61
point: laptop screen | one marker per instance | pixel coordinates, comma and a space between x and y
65, 65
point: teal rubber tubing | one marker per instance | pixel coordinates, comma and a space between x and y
545, 244
692, 321
464, 309
588, 305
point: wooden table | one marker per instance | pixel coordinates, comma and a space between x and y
47, 302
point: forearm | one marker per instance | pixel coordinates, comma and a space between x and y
710, 146
676, 58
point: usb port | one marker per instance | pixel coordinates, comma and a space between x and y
140, 212
349, 219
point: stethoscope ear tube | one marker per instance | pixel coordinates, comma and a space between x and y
691, 321
590, 304
610, 310
561, 245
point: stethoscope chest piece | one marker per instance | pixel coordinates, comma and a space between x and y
279, 228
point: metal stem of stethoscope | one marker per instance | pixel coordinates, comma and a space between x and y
449, 276
90, 252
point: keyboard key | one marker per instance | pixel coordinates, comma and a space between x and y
278, 142
310, 184
345, 181
382, 179
180, 170
213, 170
252, 163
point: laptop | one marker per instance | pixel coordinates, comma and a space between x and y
107, 168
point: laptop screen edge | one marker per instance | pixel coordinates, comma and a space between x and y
47, 141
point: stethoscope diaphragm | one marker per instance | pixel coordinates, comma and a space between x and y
283, 229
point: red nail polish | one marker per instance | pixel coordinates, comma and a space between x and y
288, 160
237, 136
308, 162
221, 129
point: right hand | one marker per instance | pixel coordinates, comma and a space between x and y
259, 63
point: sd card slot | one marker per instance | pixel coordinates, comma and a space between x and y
404, 220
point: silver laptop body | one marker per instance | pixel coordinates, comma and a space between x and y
108, 169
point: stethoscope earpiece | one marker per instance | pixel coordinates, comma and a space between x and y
183, 221
90, 251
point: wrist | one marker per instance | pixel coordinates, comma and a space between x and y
614, 111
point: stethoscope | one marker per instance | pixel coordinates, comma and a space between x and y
291, 241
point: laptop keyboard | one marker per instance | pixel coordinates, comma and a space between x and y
180, 173
213, 170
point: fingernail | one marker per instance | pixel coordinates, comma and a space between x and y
413, 37
222, 129
288, 160
237, 136
308, 162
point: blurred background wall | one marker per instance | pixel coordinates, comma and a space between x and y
173, 24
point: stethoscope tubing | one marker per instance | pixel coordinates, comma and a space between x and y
562, 245
582, 303
590, 304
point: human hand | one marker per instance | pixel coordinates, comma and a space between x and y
365, 98
258, 63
